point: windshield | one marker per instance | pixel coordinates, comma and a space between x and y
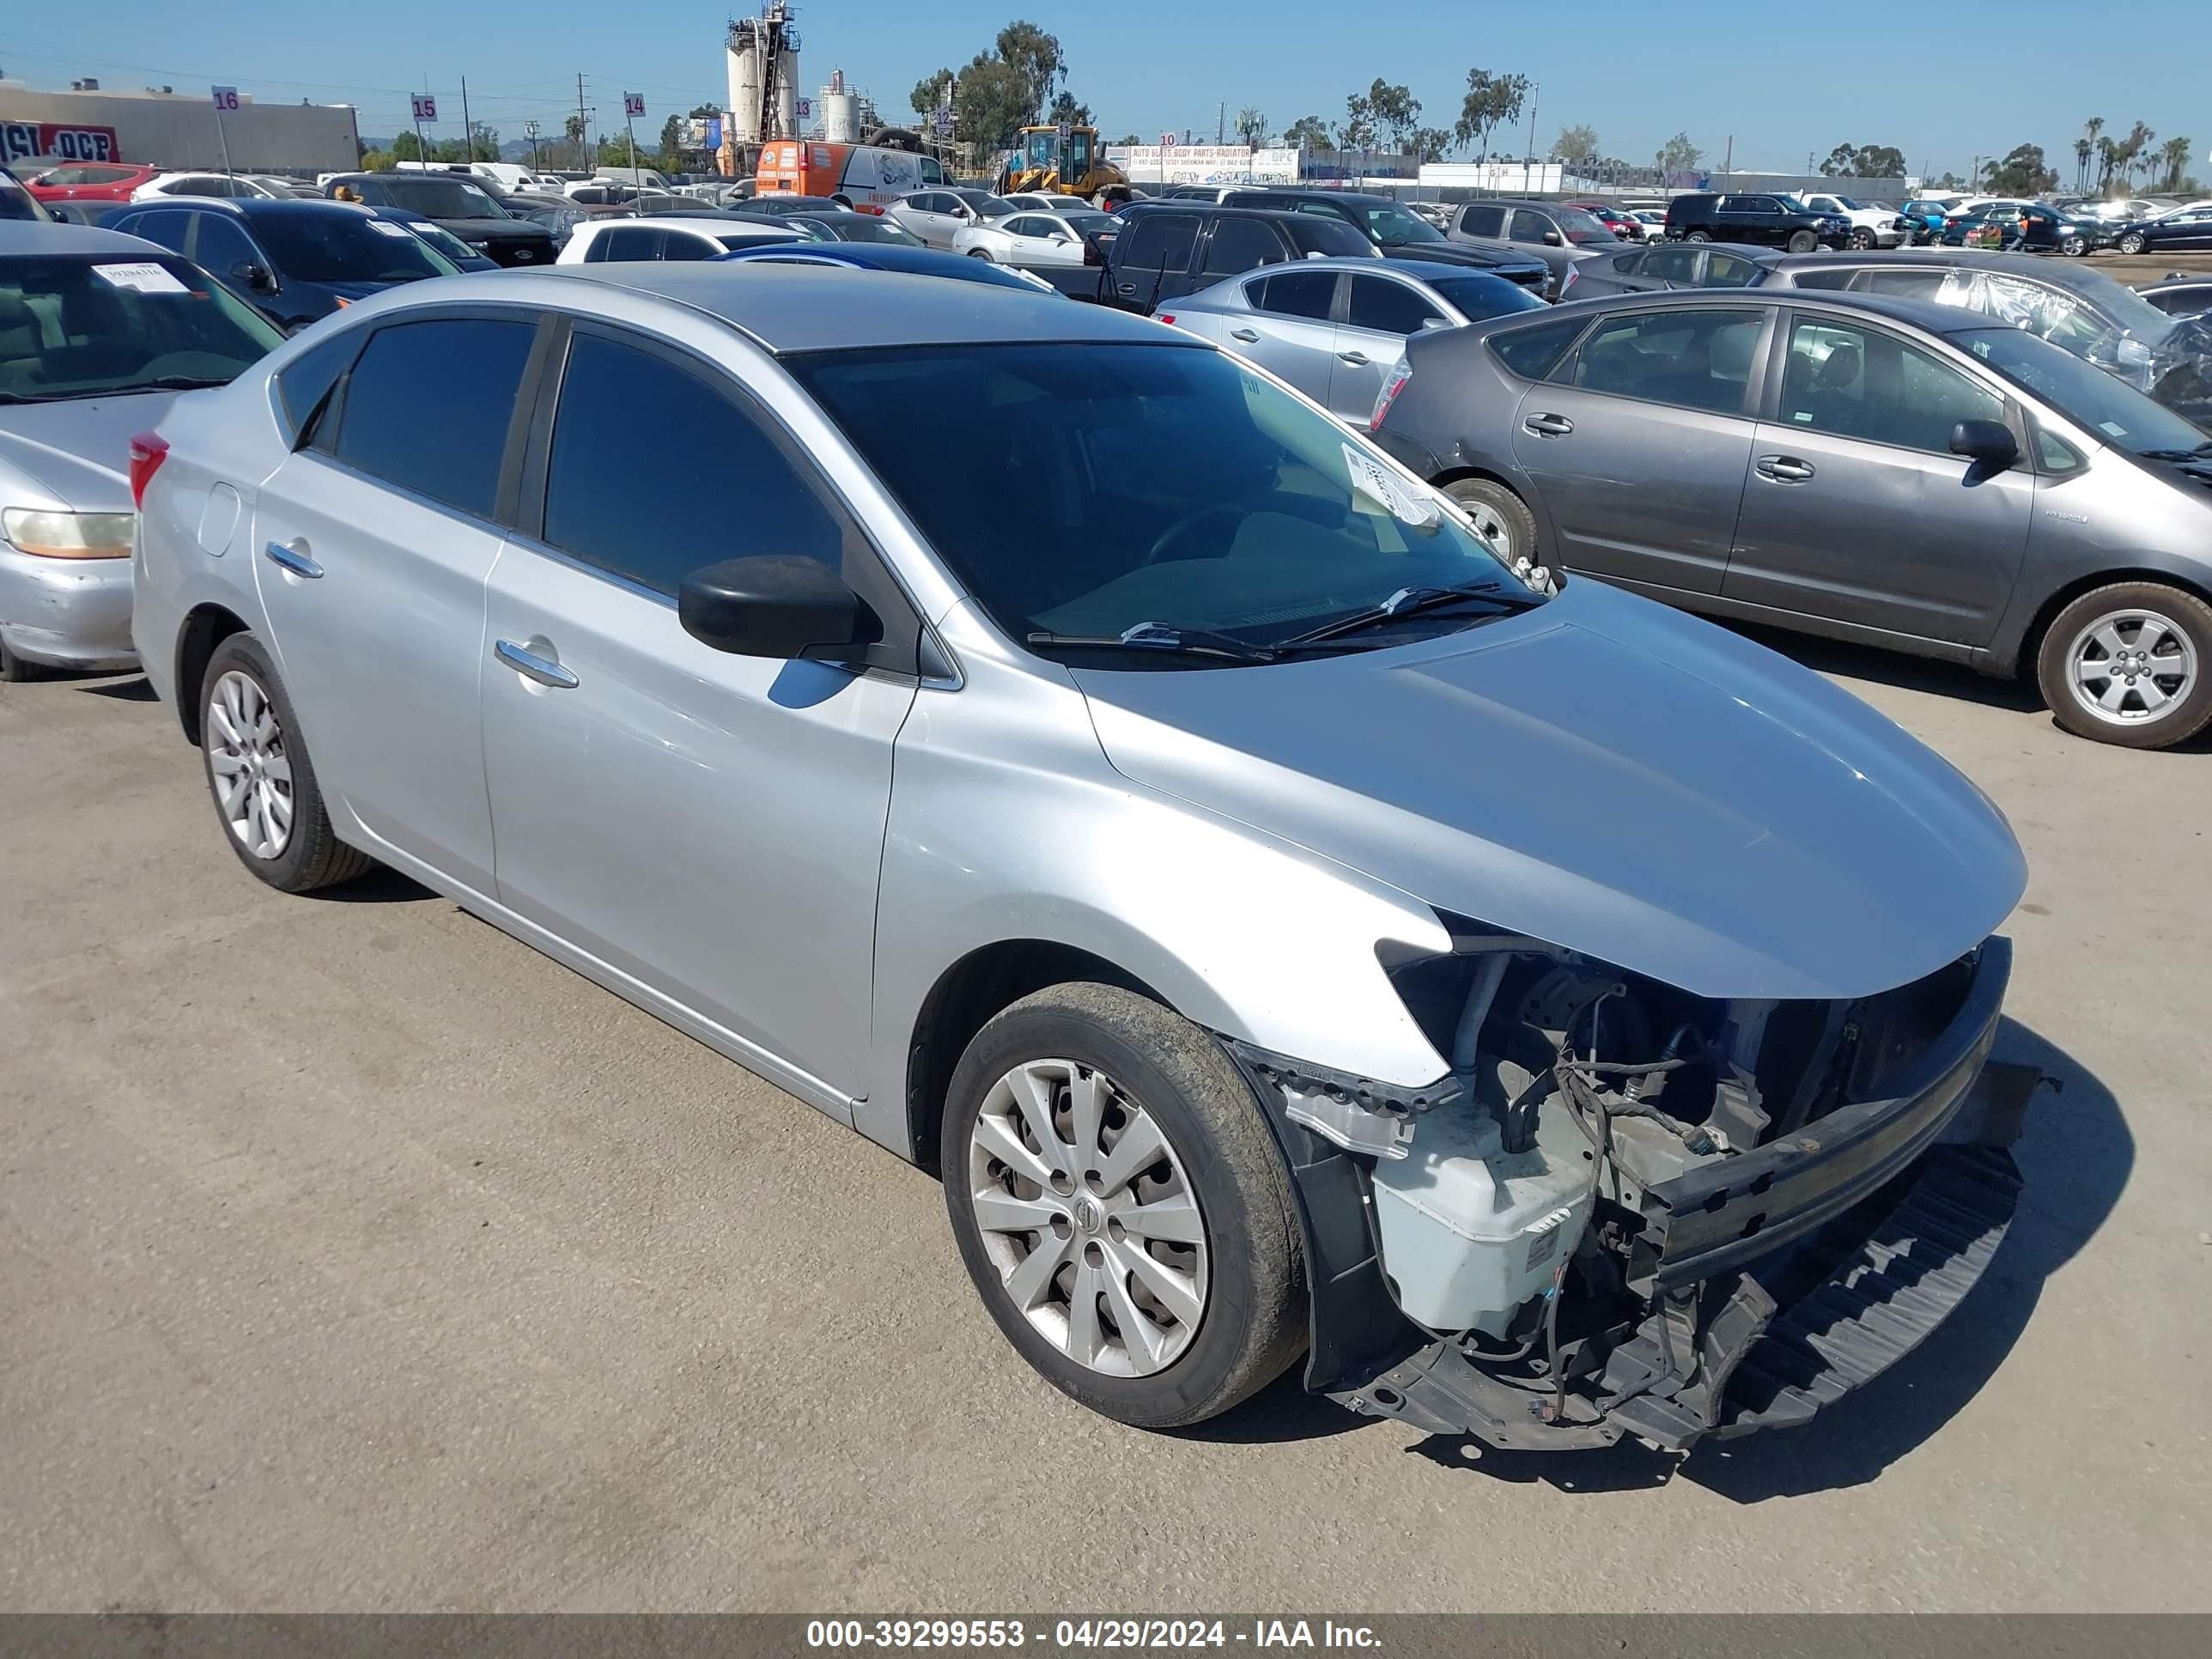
1156, 484
445, 198
1086, 221
16, 203
1853, 203
444, 241
2101, 403
126, 324
868, 227
346, 246
1579, 228
1393, 224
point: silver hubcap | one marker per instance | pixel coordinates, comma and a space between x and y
2131, 667
1491, 525
1085, 1213
245, 757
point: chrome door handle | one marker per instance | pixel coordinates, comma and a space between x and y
1244, 334
525, 661
285, 559
1357, 359
1549, 426
1784, 469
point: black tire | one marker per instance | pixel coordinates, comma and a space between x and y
1253, 1323
2183, 716
984, 254
1803, 241
311, 856
1519, 523
14, 670
2133, 242
1698, 236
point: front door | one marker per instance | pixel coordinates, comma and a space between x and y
371, 547
708, 826
1857, 511
1639, 443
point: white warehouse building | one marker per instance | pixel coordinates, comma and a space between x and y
174, 129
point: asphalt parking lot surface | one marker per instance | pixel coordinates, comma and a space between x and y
354, 1255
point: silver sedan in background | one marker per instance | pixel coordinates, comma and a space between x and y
98, 334
1335, 328
1249, 895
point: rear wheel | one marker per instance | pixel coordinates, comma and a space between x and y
2130, 663
1803, 241
1698, 236
259, 775
1122, 1207
1502, 517
984, 254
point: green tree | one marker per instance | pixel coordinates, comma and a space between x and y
991, 104
1131, 138
1396, 113
2081, 150
2175, 155
376, 161
1492, 101
1576, 146
1036, 56
1428, 143
929, 91
1678, 154
1252, 127
1357, 130
1065, 108
2022, 173
1307, 132
407, 147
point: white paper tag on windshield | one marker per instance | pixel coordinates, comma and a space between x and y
389, 228
1380, 485
140, 278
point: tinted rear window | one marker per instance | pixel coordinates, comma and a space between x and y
1532, 353
429, 406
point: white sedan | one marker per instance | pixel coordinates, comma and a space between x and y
669, 236
204, 184
1032, 239
1039, 201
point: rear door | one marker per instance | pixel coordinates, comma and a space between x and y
1639, 441
372, 546
1381, 314
1157, 247
1290, 332
708, 826
1856, 511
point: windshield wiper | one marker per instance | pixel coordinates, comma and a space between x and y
1412, 602
178, 383
1161, 637
2201, 452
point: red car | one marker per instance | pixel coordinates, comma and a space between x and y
90, 181
1612, 219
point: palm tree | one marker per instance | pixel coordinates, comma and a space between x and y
1252, 126
2082, 149
2108, 160
2138, 141
2091, 129
2175, 154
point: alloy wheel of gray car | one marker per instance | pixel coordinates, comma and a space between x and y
259, 775
1086, 1213
2128, 664
1122, 1207
1501, 518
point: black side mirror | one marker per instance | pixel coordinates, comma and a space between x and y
1990, 442
257, 277
772, 604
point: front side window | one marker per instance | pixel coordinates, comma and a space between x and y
1240, 245
1858, 382
1580, 228
1693, 359
720, 489
222, 247
428, 407
685, 245
1157, 483
1528, 226
1390, 307
71, 327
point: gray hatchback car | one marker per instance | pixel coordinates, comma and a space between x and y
1885, 471
1120, 856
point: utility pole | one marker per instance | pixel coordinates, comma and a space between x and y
530, 132
583, 128
1727, 159
468, 127
1535, 94
1221, 124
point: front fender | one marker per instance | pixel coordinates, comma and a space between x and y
1006, 824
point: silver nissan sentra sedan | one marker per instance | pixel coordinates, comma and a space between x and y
1060, 752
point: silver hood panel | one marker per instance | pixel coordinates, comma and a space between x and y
76, 454
1606, 774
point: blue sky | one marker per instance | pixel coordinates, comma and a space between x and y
1783, 80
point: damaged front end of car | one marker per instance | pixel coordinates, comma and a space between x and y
1628, 1211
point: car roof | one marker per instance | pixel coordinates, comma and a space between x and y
789, 311
34, 236
1925, 314
2080, 279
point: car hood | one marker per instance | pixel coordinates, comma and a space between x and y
1607, 775
496, 230
1460, 253
77, 452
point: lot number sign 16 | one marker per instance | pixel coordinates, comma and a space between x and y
226, 99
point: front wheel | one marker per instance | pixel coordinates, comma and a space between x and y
1861, 240
2130, 663
14, 670
1803, 241
2133, 242
1122, 1207
2074, 246
262, 782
